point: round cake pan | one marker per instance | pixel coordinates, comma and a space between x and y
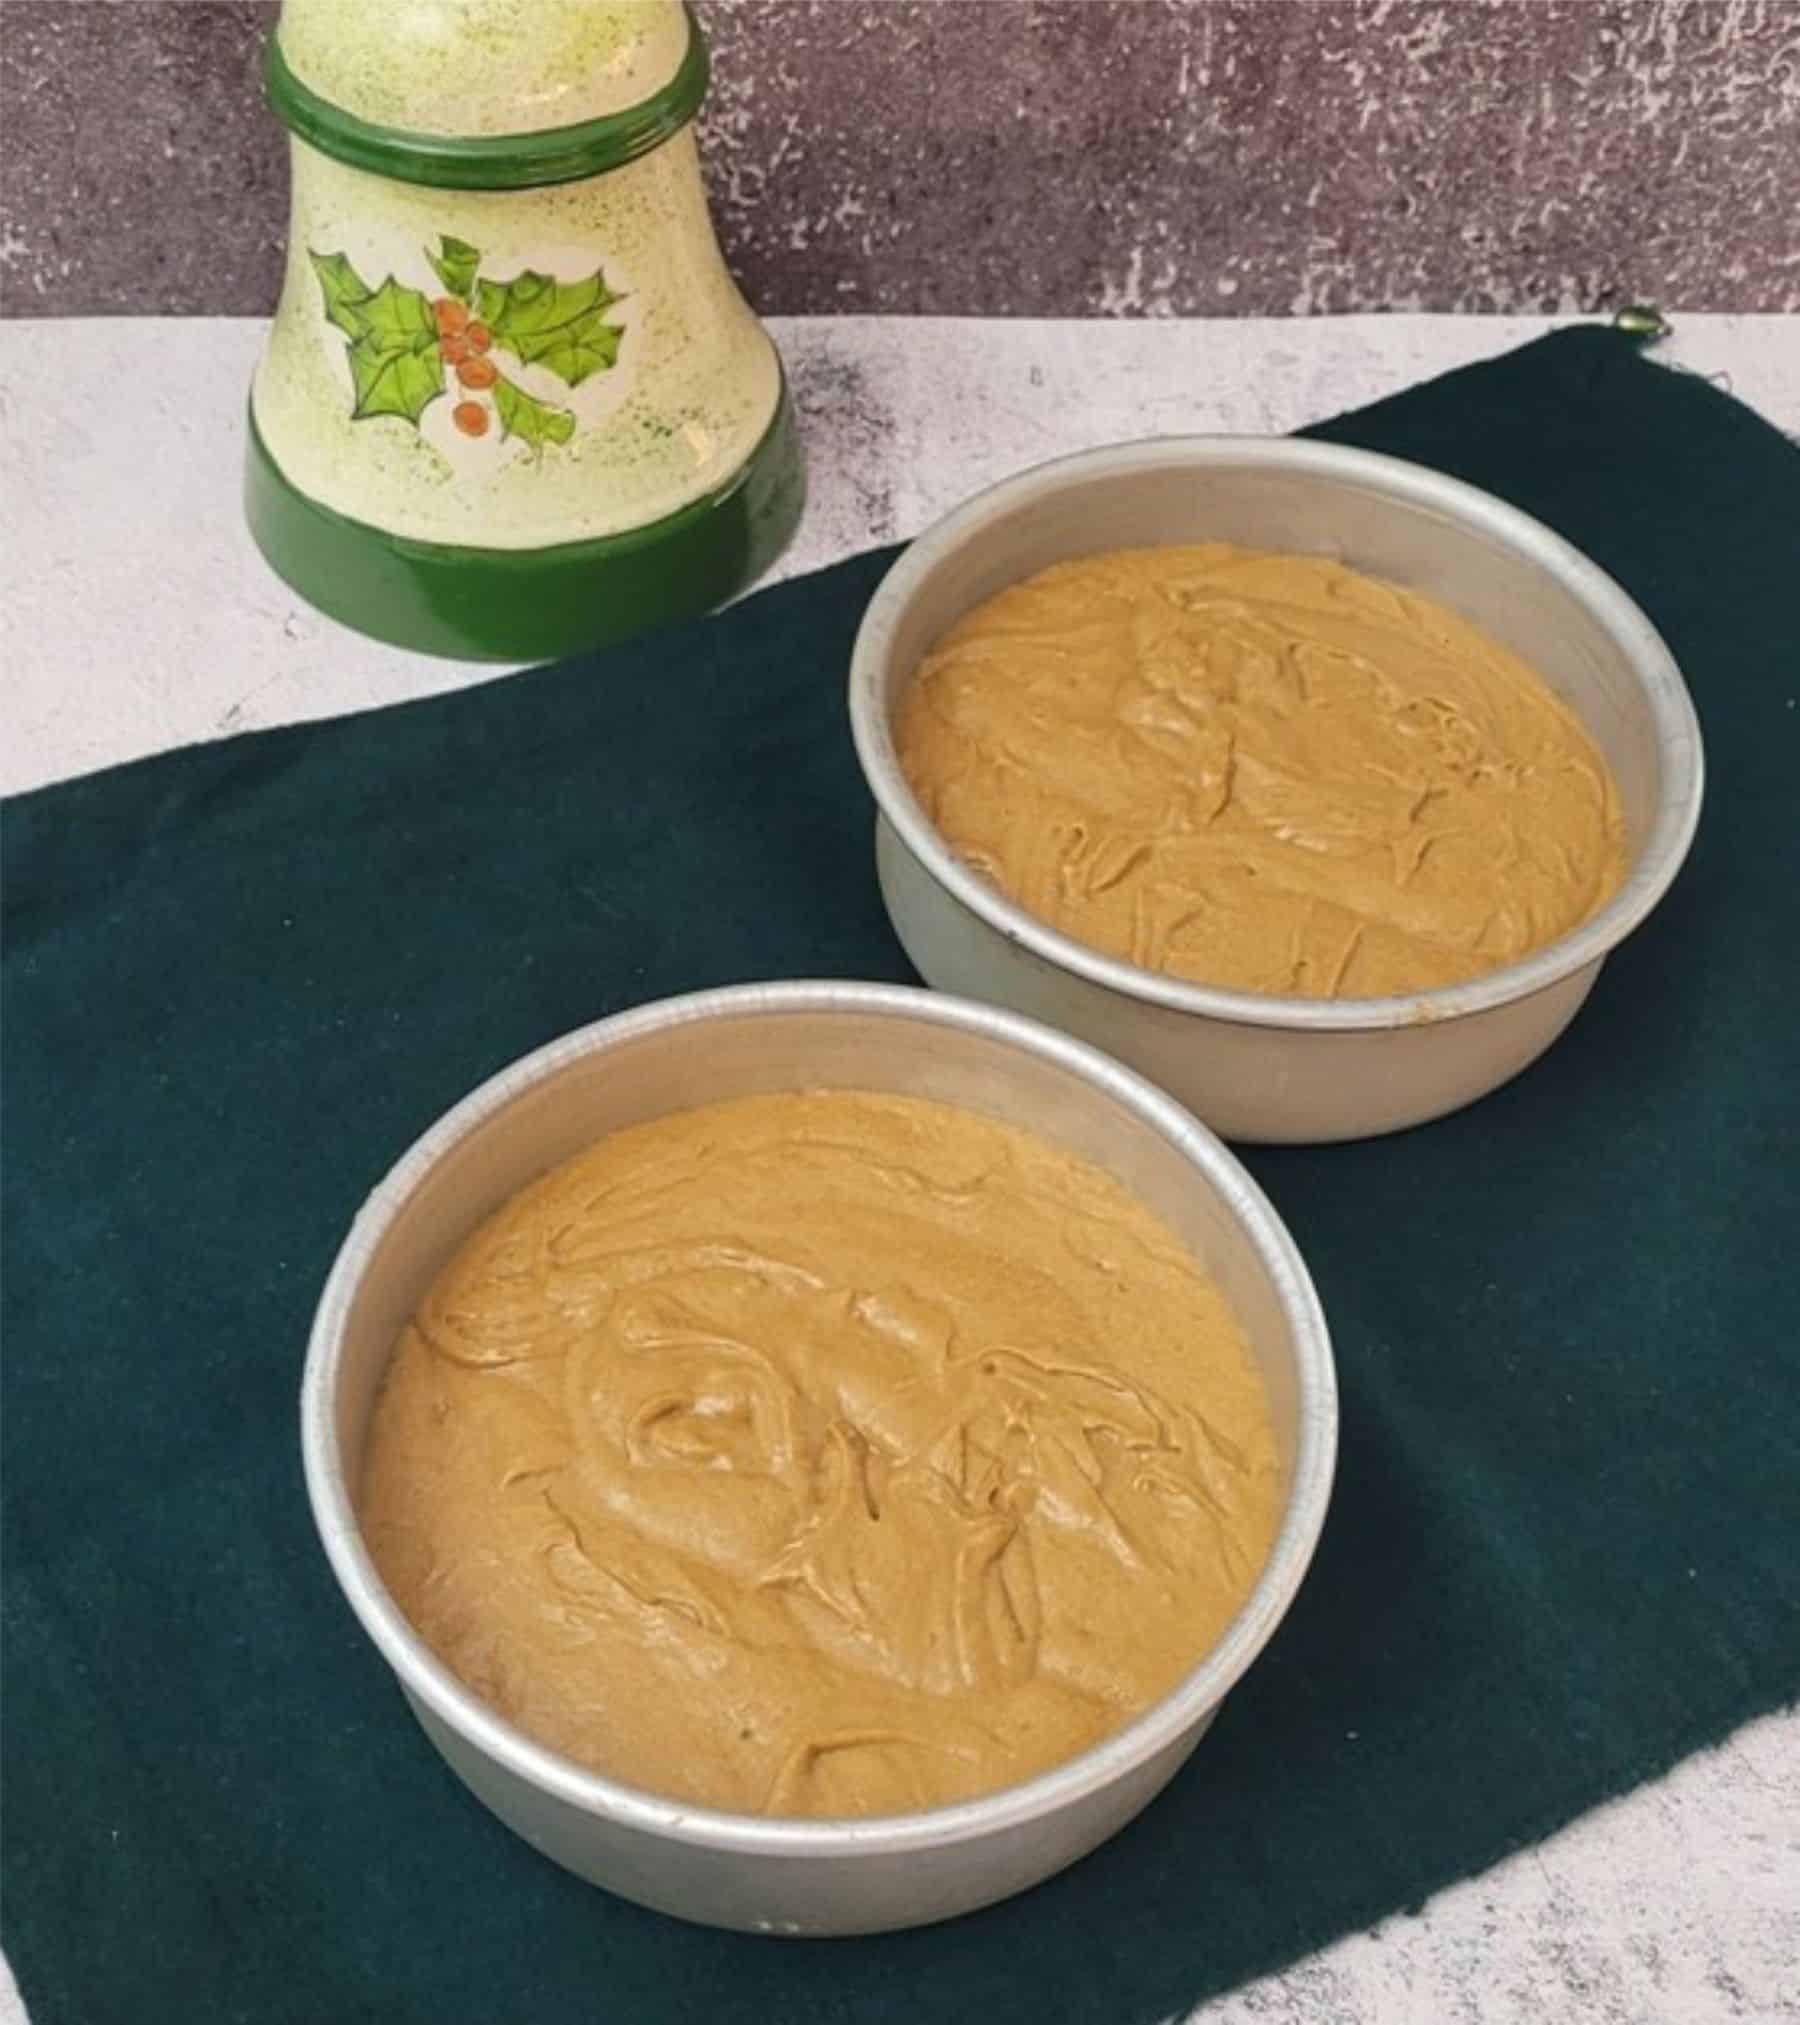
791, 1876
1254, 1066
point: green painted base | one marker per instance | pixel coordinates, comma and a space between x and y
492, 604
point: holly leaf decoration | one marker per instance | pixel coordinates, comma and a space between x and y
454, 265
344, 290
395, 364
397, 350
533, 421
398, 318
394, 383
558, 324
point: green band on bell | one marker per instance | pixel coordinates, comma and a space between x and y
521, 161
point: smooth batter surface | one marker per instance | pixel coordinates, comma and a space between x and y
821, 1454
1262, 771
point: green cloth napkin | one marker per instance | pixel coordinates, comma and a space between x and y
1565, 1546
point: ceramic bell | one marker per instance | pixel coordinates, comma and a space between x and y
512, 404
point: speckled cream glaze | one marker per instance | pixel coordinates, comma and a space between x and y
479, 67
695, 384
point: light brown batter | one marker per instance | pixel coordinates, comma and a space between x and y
1268, 772
821, 1454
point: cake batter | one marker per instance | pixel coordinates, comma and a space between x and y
821, 1454
1268, 772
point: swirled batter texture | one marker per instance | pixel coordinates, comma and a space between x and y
1268, 772
821, 1454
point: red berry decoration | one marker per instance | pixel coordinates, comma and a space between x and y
477, 372
452, 316
478, 337
470, 417
453, 350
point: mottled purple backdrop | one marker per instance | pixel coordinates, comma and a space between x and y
1030, 157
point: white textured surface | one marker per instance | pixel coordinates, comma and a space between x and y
140, 617
149, 620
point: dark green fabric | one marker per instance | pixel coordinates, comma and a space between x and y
239, 980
